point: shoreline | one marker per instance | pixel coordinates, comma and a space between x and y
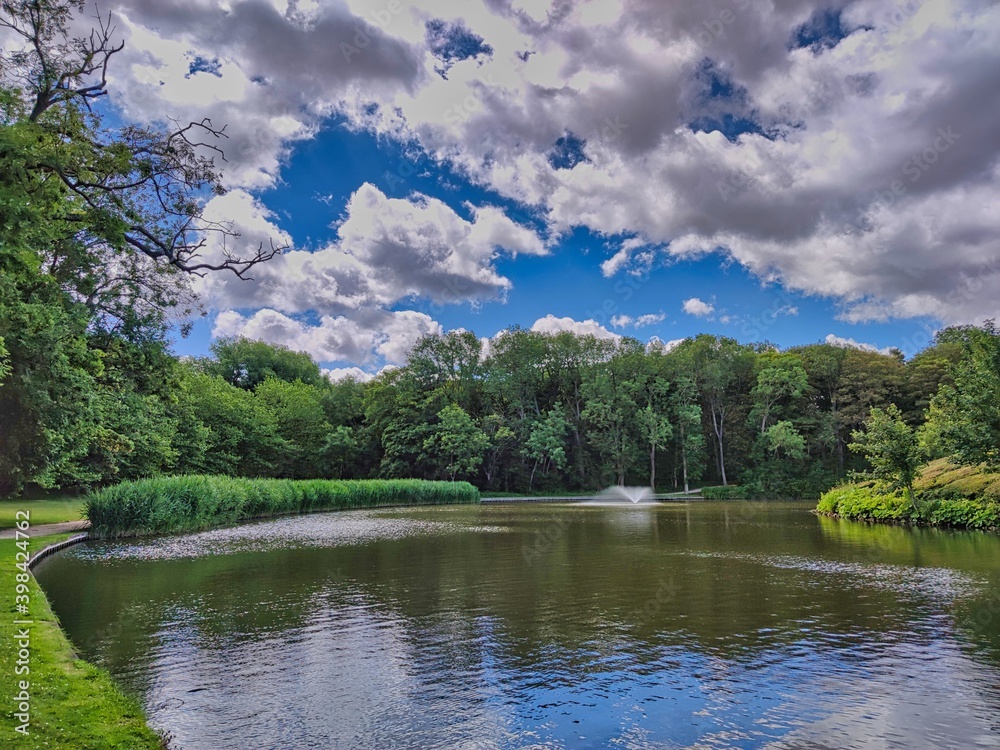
71, 702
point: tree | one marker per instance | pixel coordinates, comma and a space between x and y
610, 414
783, 440
299, 421
240, 432
892, 449
964, 419
780, 378
134, 190
451, 364
686, 413
722, 367
246, 364
654, 420
340, 452
501, 439
100, 229
546, 443
456, 443
656, 430
4, 361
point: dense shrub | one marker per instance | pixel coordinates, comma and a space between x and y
861, 502
190, 503
731, 492
944, 508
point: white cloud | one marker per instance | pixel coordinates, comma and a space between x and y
698, 308
849, 343
649, 319
387, 250
338, 374
369, 337
819, 198
551, 324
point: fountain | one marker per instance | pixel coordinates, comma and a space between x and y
617, 495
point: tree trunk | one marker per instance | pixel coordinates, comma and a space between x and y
652, 467
684, 459
717, 425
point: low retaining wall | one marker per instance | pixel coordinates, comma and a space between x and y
53, 548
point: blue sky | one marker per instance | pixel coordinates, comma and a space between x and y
796, 172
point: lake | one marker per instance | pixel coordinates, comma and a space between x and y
687, 625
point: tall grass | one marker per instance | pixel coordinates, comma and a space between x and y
190, 503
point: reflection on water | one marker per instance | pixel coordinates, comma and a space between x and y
674, 626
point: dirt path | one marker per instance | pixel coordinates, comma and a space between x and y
49, 528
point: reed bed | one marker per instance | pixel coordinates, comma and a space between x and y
166, 505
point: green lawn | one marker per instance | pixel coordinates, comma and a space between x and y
72, 703
54, 510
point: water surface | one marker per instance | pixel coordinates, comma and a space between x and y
699, 625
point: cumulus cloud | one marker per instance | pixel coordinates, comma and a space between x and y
551, 324
698, 308
864, 167
386, 250
268, 71
364, 338
649, 319
840, 166
338, 374
849, 343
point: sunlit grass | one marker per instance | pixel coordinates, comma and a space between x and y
73, 704
55, 510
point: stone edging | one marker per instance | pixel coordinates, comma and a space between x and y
52, 548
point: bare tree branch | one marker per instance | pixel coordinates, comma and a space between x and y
144, 188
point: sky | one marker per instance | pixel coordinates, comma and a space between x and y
792, 171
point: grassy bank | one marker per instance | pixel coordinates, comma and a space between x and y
54, 510
73, 704
190, 503
945, 495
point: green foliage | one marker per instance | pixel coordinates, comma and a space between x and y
235, 433
864, 503
247, 364
612, 395
340, 452
300, 423
949, 495
783, 440
456, 443
728, 492
964, 416
188, 503
892, 448
781, 380
73, 703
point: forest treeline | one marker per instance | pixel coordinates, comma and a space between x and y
532, 412
102, 226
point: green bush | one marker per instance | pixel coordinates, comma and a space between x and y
731, 492
166, 505
864, 503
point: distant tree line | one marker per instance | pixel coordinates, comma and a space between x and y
536, 412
